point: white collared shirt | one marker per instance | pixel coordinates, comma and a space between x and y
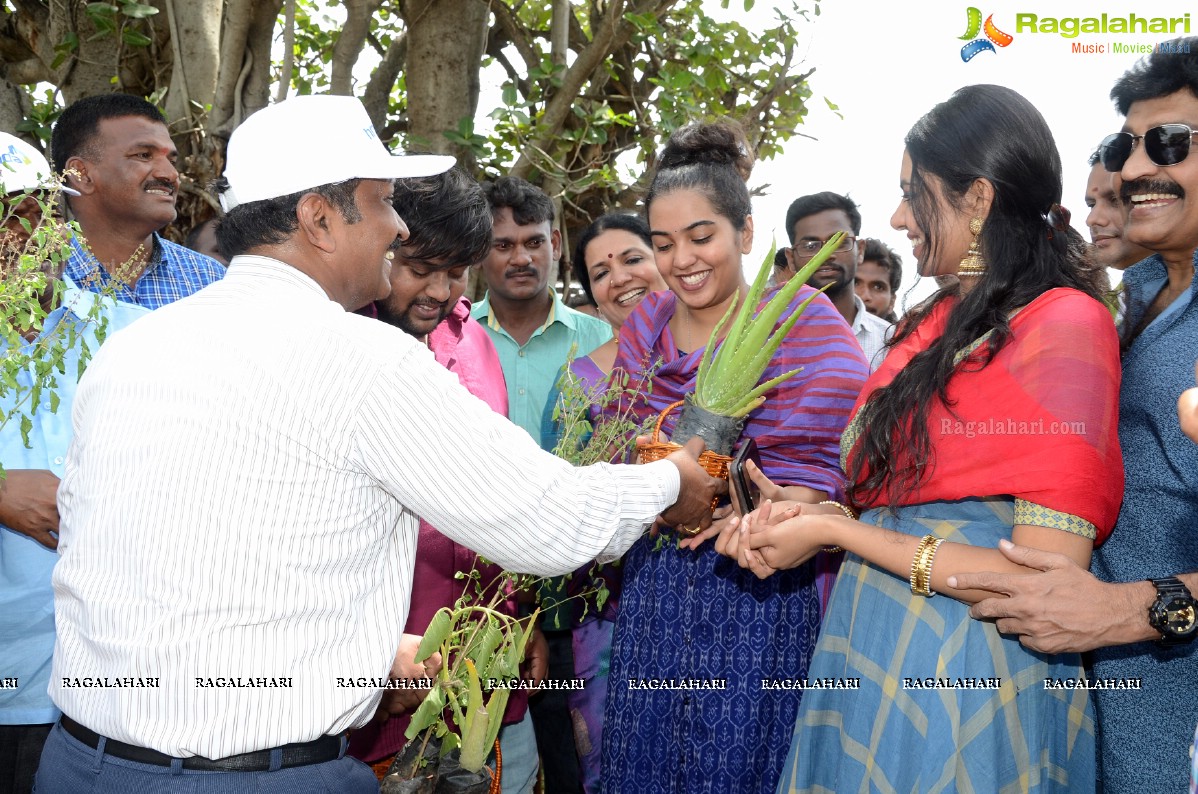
240, 507
872, 333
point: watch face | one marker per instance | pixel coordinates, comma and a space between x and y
1180, 616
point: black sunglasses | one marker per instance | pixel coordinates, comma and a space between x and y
1165, 145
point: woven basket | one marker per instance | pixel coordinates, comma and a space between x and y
655, 449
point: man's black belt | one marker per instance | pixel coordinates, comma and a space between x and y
317, 751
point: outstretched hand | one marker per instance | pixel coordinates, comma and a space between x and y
697, 490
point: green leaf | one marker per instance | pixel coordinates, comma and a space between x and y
427, 713
137, 10
135, 38
436, 633
26, 429
483, 653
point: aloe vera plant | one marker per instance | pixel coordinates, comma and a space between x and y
478, 645
727, 379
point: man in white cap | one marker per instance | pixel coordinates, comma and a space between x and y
239, 520
28, 509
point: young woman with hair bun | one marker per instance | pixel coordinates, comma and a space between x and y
696, 636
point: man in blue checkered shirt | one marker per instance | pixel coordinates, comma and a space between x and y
122, 183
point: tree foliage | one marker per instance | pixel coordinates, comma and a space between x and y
585, 90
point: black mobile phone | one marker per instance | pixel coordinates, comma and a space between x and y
747, 493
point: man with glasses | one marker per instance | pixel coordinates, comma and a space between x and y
811, 221
1137, 612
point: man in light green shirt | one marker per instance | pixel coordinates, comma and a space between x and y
532, 329
534, 332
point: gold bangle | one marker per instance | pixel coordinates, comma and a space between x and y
921, 565
917, 583
840, 507
847, 512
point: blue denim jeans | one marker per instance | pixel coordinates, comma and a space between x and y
518, 743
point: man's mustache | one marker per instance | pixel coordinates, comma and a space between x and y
162, 183
1142, 186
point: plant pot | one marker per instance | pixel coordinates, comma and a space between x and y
452, 779
407, 775
435, 776
720, 432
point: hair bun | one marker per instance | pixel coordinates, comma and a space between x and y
720, 143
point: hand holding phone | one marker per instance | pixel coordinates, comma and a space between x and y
747, 492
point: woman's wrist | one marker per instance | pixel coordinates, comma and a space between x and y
833, 508
829, 530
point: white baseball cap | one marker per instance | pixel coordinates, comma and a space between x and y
309, 141
22, 167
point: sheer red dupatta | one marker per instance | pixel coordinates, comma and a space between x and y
1038, 423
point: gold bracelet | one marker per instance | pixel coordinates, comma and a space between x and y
847, 512
921, 565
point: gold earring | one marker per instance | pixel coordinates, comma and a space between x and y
973, 264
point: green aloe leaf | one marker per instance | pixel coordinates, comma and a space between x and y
734, 373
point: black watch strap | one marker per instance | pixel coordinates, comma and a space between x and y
1174, 613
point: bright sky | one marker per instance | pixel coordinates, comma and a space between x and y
886, 64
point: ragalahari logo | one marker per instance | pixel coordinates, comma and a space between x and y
976, 45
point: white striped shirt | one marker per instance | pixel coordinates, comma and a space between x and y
240, 502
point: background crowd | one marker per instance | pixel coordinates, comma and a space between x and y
294, 440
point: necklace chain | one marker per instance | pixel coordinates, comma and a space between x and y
121, 272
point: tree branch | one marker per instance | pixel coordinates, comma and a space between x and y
378, 89
37, 11
288, 52
514, 31
349, 44
27, 72
12, 50
522, 85
237, 20
614, 31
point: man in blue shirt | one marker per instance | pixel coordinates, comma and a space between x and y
117, 155
28, 512
121, 190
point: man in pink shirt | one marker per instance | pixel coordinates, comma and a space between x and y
449, 223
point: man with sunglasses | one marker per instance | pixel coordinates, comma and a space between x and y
811, 221
1137, 612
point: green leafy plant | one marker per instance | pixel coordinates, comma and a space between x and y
481, 647
596, 425
727, 380
610, 436
31, 360
481, 650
